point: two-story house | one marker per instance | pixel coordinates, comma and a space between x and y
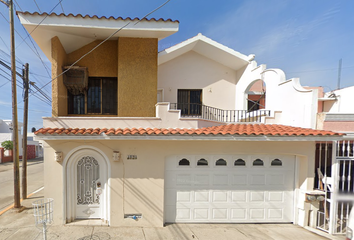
190, 135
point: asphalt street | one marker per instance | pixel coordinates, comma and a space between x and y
34, 180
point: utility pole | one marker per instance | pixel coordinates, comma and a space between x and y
17, 203
25, 121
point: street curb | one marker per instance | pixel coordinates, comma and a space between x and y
22, 207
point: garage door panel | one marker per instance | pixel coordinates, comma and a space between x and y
275, 214
220, 213
183, 214
257, 196
238, 214
201, 214
184, 197
220, 196
183, 179
257, 214
201, 196
221, 179
257, 179
275, 179
240, 196
276, 197
230, 194
239, 179
201, 180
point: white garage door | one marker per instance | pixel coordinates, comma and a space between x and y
242, 188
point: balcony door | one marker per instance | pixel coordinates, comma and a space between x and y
190, 101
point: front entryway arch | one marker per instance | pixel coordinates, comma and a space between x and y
86, 181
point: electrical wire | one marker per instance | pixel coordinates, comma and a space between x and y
29, 34
5, 44
18, 6
23, 40
37, 6
94, 48
43, 98
61, 5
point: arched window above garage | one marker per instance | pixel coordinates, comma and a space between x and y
184, 162
258, 162
239, 162
221, 162
276, 162
202, 162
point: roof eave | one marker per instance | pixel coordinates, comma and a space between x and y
208, 48
192, 137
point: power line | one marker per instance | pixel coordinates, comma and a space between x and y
28, 34
18, 6
44, 96
115, 32
5, 44
61, 5
23, 40
37, 6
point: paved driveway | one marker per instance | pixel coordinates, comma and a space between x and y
20, 226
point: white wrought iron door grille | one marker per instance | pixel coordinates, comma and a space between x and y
345, 159
87, 176
323, 174
336, 180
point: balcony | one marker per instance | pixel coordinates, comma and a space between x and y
196, 110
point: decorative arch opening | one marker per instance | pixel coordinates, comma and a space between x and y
258, 162
256, 96
184, 162
276, 162
239, 162
202, 162
221, 162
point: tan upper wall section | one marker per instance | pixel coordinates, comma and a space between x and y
102, 62
132, 60
137, 77
59, 92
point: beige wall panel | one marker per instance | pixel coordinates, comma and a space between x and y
53, 181
194, 71
137, 77
102, 62
137, 186
59, 93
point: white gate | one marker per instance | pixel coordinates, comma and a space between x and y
335, 167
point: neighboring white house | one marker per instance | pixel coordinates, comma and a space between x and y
196, 133
6, 133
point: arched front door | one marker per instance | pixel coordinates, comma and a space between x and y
88, 188
87, 192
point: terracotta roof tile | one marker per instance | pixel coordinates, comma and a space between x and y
231, 129
44, 14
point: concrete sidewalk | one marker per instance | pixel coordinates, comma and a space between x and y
19, 226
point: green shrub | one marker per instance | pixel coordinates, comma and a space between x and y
7, 145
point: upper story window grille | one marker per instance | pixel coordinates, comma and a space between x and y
99, 98
190, 101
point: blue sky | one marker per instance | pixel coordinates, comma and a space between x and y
305, 39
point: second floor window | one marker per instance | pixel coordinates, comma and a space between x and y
189, 101
100, 98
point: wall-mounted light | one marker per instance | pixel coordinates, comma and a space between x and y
116, 156
58, 156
